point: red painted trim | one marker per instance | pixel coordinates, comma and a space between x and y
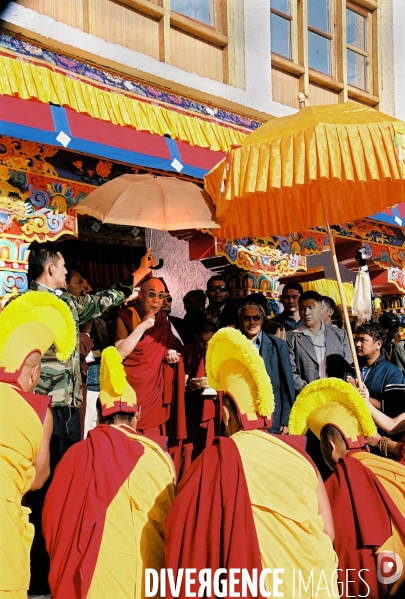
87, 127
26, 112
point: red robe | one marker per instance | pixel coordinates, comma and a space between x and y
85, 483
203, 412
219, 531
159, 386
362, 511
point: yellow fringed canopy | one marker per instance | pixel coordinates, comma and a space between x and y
331, 289
343, 156
27, 81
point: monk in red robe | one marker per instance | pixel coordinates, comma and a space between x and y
104, 511
366, 491
226, 515
203, 406
29, 325
152, 363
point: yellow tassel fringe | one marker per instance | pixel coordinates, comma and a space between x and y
235, 346
311, 397
113, 369
40, 306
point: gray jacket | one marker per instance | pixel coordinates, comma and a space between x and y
304, 363
398, 356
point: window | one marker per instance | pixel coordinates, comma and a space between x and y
356, 52
326, 49
199, 10
319, 38
280, 24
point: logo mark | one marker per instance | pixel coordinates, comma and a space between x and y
389, 567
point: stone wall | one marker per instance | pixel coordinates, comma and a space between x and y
178, 271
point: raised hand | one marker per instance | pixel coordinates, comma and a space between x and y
148, 321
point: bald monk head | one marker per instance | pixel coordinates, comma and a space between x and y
144, 303
333, 445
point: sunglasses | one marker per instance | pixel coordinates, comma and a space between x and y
169, 299
256, 318
151, 294
214, 288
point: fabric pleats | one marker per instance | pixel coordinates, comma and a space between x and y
29, 81
341, 162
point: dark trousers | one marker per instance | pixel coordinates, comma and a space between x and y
66, 432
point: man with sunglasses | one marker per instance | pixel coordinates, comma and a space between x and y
275, 354
218, 310
149, 355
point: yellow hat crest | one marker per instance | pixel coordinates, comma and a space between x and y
234, 365
332, 401
32, 322
116, 395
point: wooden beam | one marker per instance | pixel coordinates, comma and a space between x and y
325, 80
145, 7
286, 65
198, 29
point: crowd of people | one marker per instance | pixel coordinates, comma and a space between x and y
198, 442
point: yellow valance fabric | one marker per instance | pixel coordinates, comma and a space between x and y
27, 81
330, 288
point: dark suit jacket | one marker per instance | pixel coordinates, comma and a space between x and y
276, 357
303, 357
227, 318
181, 328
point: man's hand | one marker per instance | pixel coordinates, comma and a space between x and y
148, 321
374, 441
132, 297
352, 381
363, 391
172, 356
147, 261
144, 268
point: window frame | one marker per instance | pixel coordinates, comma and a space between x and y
337, 81
328, 36
366, 54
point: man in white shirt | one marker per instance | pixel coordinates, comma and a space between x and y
313, 344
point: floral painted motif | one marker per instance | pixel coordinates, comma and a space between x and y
262, 260
37, 207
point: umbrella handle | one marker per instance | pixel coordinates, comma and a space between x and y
158, 265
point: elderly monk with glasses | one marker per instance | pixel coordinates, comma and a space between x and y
152, 362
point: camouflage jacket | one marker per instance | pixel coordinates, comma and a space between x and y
63, 380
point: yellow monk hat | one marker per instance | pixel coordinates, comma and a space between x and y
234, 365
116, 395
32, 322
335, 402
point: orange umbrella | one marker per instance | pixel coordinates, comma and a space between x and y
164, 203
338, 161
324, 164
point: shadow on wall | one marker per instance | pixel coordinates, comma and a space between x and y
181, 274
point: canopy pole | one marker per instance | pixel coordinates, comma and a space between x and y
344, 305
342, 295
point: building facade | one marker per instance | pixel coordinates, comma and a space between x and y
166, 86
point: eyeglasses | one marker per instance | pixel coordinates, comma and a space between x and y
256, 318
214, 288
169, 299
151, 294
